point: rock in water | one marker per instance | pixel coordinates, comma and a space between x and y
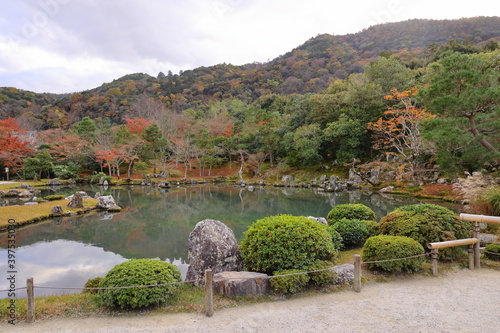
212, 245
107, 202
54, 182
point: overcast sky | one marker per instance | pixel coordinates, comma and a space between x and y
65, 46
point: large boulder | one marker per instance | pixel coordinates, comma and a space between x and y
25, 194
54, 182
234, 284
57, 211
107, 202
83, 194
318, 219
345, 273
76, 201
12, 193
212, 245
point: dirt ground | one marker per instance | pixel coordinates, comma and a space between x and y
460, 301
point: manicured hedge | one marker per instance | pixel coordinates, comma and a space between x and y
427, 223
289, 284
383, 247
284, 242
353, 232
351, 211
320, 275
138, 272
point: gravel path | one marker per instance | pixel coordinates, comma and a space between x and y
461, 301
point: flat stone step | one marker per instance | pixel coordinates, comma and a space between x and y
233, 284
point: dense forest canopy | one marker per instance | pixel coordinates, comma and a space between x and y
425, 92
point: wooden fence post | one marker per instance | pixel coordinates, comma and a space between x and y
357, 273
434, 257
209, 302
477, 253
471, 256
30, 311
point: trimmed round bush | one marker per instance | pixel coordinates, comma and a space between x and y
353, 232
138, 272
385, 247
495, 248
289, 284
92, 283
283, 242
323, 277
372, 226
427, 223
338, 242
351, 211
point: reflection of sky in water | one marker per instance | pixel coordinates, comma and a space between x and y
155, 223
60, 263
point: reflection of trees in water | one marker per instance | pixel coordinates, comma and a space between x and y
157, 222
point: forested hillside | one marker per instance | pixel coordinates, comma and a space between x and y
390, 89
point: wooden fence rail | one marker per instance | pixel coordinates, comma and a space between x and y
477, 229
435, 247
480, 218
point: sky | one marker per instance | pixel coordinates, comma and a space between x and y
64, 46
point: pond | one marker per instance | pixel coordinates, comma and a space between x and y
155, 223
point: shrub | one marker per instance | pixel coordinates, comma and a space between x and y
491, 199
95, 178
92, 283
385, 247
289, 284
283, 242
353, 232
324, 277
138, 272
351, 211
372, 227
338, 242
53, 197
495, 248
427, 223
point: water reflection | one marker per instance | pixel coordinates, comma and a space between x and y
155, 223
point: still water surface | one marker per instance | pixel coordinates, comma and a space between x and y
155, 223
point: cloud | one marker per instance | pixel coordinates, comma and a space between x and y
70, 45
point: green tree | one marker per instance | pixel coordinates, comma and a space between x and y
35, 166
467, 86
389, 73
85, 127
348, 135
155, 146
303, 145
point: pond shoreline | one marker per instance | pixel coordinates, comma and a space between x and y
187, 183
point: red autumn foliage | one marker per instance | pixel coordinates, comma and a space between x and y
137, 126
12, 148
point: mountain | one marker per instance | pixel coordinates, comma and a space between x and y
309, 68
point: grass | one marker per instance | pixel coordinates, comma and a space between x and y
17, 183
187, 298
34, 213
